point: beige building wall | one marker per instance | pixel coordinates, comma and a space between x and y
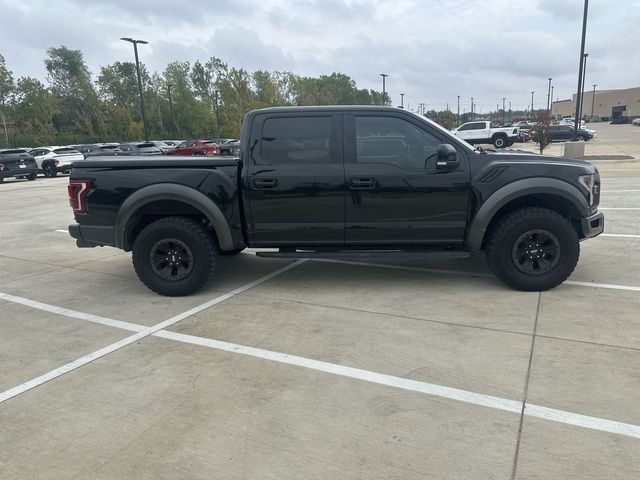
604, 101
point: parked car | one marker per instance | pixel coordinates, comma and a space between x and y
93, 149
144, 148
17, 163
172, 143
105, 151
54, 160
164, 146
385, 183
563, 133
636, 122
197, 147
230, 147
483, 132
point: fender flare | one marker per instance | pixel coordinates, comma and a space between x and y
172, 191
518, 189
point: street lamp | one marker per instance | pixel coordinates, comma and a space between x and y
135, 50
549, 97
593, 100
551, 103
582, 59
384, 86
402, 100
503, 105
173, 122
532, 103
472, 109
584, 76
458, 110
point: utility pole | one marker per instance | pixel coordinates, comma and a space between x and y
173, 122
551, 104
472, 109
510, 113
402, 100
593, 100
582, 58
549, 97
584, 76
532, 103
458, 110
135, 50
503, 110
384, 87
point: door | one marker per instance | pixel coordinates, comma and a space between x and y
474, 131
295, 182
396, 193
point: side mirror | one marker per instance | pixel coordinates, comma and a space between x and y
447, 157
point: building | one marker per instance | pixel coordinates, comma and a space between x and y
625, 101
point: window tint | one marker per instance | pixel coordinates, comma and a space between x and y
395, 141
296, 139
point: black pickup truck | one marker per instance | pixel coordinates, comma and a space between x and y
317, 182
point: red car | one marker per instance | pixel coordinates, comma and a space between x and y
197, 147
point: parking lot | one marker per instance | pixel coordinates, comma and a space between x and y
315, 369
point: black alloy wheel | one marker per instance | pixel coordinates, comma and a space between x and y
536, 252
171, 259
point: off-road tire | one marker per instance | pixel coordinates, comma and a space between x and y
502, 240
32, 177
500, 141
193, 238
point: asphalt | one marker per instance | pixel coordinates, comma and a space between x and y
389, 370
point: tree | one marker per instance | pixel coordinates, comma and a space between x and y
34, 109
70, 81
541, 130
7, 87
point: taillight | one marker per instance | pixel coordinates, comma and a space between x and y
77, 191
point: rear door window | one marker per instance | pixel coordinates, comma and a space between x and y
295, 140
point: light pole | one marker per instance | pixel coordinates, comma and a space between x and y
173, 122
384, 87
503, 111
551, 103
593, 100
532, 103
549, 97
584, 76
510, 113
582, 58
402, 100
135, 50
472, 109
458, 110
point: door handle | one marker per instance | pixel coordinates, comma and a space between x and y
265, 183
362, 183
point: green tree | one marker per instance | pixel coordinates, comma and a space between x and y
7, 87
70, 81
34, 108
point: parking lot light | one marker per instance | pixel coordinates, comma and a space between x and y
135, 50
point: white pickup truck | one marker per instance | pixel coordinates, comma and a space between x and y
481, 132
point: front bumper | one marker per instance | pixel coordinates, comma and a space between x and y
593, 225
88, 236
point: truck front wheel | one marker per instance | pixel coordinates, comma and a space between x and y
174, 256
500, 141
533, 249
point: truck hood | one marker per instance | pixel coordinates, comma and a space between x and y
532, 158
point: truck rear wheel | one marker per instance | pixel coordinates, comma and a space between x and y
500, 141
533, 249
174, 256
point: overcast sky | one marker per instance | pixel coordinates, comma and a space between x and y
432, 50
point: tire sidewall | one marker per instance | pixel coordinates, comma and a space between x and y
202, 252
499, 142
569, 253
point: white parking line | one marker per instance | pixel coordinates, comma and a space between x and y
63, 231
618, 191
145, 332
610, 286
465, 396
622, 208
621, 235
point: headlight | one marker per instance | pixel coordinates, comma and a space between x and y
588, 182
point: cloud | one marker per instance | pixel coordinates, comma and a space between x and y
433, 50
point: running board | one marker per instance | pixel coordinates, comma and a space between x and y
433, 254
